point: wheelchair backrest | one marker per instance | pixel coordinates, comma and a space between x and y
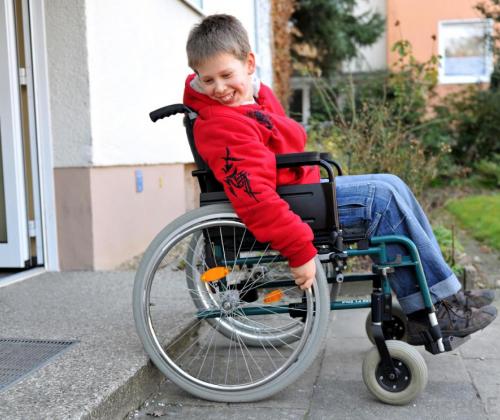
314, 203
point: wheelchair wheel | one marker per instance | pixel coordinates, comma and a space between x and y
204, 298
409, 384
395, 329
197, 336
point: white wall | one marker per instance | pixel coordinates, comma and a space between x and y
255, 17
137, 63
112, 62
68, 82
242, 9
264, 41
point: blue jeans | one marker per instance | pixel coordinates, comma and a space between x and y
388, 207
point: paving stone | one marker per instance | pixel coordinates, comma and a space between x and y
349, 323
439, 400
187, 412
483, 344
486, 378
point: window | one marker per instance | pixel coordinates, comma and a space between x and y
466, 56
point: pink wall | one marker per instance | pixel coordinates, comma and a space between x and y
125, 221
103, 221
74, 218
418, 22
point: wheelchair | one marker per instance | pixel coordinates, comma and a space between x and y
219, 312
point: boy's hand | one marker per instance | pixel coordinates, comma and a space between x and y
304, 274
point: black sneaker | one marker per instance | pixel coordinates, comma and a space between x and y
454, 320
476, 298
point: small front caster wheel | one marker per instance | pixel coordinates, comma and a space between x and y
410, 380
395, 329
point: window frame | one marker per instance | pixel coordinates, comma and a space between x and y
191, 4
462, 79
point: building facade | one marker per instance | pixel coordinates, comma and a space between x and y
87, 179
452, 29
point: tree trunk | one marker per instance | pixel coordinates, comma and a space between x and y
281, 11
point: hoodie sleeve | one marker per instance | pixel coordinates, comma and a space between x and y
246, 168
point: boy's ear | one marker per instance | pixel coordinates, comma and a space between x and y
251, 63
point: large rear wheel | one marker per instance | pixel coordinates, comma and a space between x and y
238, 329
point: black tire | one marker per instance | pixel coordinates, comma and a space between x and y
412, 382
396, 329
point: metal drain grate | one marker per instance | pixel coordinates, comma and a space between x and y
20, 357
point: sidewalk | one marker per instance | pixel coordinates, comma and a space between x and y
107, 375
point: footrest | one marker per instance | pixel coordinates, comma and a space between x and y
451, 343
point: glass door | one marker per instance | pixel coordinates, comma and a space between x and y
14, 241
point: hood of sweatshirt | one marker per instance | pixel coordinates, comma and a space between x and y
197, 100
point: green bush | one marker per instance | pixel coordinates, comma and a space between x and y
472, 122
383, 122
382, 125
489, 171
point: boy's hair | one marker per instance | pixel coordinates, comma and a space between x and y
214, 35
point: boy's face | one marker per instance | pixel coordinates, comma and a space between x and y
227, 79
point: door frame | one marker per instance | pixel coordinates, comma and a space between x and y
44, 149
44, 133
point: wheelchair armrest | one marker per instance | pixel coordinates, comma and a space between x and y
288, 160
328, 158
291, 160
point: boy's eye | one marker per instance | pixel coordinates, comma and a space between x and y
207, 81
226, 76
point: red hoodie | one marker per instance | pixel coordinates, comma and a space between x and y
239, 145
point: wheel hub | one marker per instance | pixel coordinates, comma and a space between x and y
392, 382
393, 329
230, 300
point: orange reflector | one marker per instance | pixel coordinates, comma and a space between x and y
214, 274
274, 296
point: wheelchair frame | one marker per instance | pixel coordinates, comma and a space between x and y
335, 245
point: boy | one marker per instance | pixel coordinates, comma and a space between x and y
240, 128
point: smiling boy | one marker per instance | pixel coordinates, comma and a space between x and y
237, 113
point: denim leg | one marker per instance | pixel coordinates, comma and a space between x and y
407, 195
390, 212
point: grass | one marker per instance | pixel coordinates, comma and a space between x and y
450, 247
480, 215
